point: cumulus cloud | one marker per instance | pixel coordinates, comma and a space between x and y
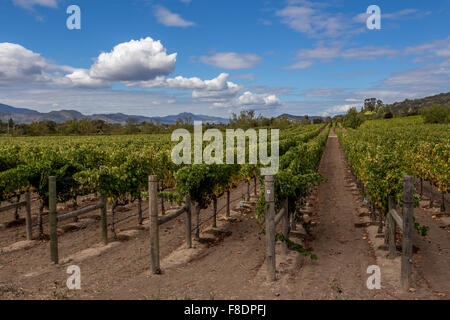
143, 59
167, 18
215, 89
20, 65
28, 4
258, 100
136, 60
231, 60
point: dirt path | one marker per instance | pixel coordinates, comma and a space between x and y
343, 254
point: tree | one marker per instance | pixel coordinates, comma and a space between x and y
305, 120
370, 104
131, 126
353, 119
436, 114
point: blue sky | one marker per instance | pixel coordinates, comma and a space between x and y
216, 57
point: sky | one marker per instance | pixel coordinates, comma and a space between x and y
212, 57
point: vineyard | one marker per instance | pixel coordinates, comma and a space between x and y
112, 173
380, 153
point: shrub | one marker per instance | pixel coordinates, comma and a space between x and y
436, 114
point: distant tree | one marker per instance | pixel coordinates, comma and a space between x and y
370, 104
305, 120
436, 114
328, 120
353, 119
131, 126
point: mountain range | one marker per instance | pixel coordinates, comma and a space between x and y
21, 115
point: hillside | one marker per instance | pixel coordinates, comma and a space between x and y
417, 104
26, 116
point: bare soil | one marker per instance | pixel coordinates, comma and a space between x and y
232, 264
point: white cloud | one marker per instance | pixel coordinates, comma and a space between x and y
362, 17
28, 4
258, 100
143, 59
136, 60
339, 109
301, 65
167, 18
215, 89
306, 19
20, 65
231, 60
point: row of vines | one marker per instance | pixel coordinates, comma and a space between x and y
118, 167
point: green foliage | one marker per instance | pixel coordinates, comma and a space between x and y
436, 114
353, 119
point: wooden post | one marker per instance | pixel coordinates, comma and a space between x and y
154, 227
228, 204
407, 246
52, 219
270, 228
29, 224
421, 188
16, 212
248, 190
285, 226
188, 222
140, 219
391, 206
293, 221
254, 184
104, 222
215, 212
197, 222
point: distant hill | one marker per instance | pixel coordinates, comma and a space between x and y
299, 118
417, 104
8, 109
21, 115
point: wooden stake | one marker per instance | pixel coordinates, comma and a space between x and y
154, 226
215, 212
407, 246
228, 204
285, 226
29, 224
188, 222
270, 228
104, 221
52, 220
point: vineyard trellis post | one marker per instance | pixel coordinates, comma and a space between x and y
390, 229
285, 226
154, 224
228, 204
407, 246
270, 228
405, 223
52, 220
215, 212
28, 221
104, 221
188, 222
